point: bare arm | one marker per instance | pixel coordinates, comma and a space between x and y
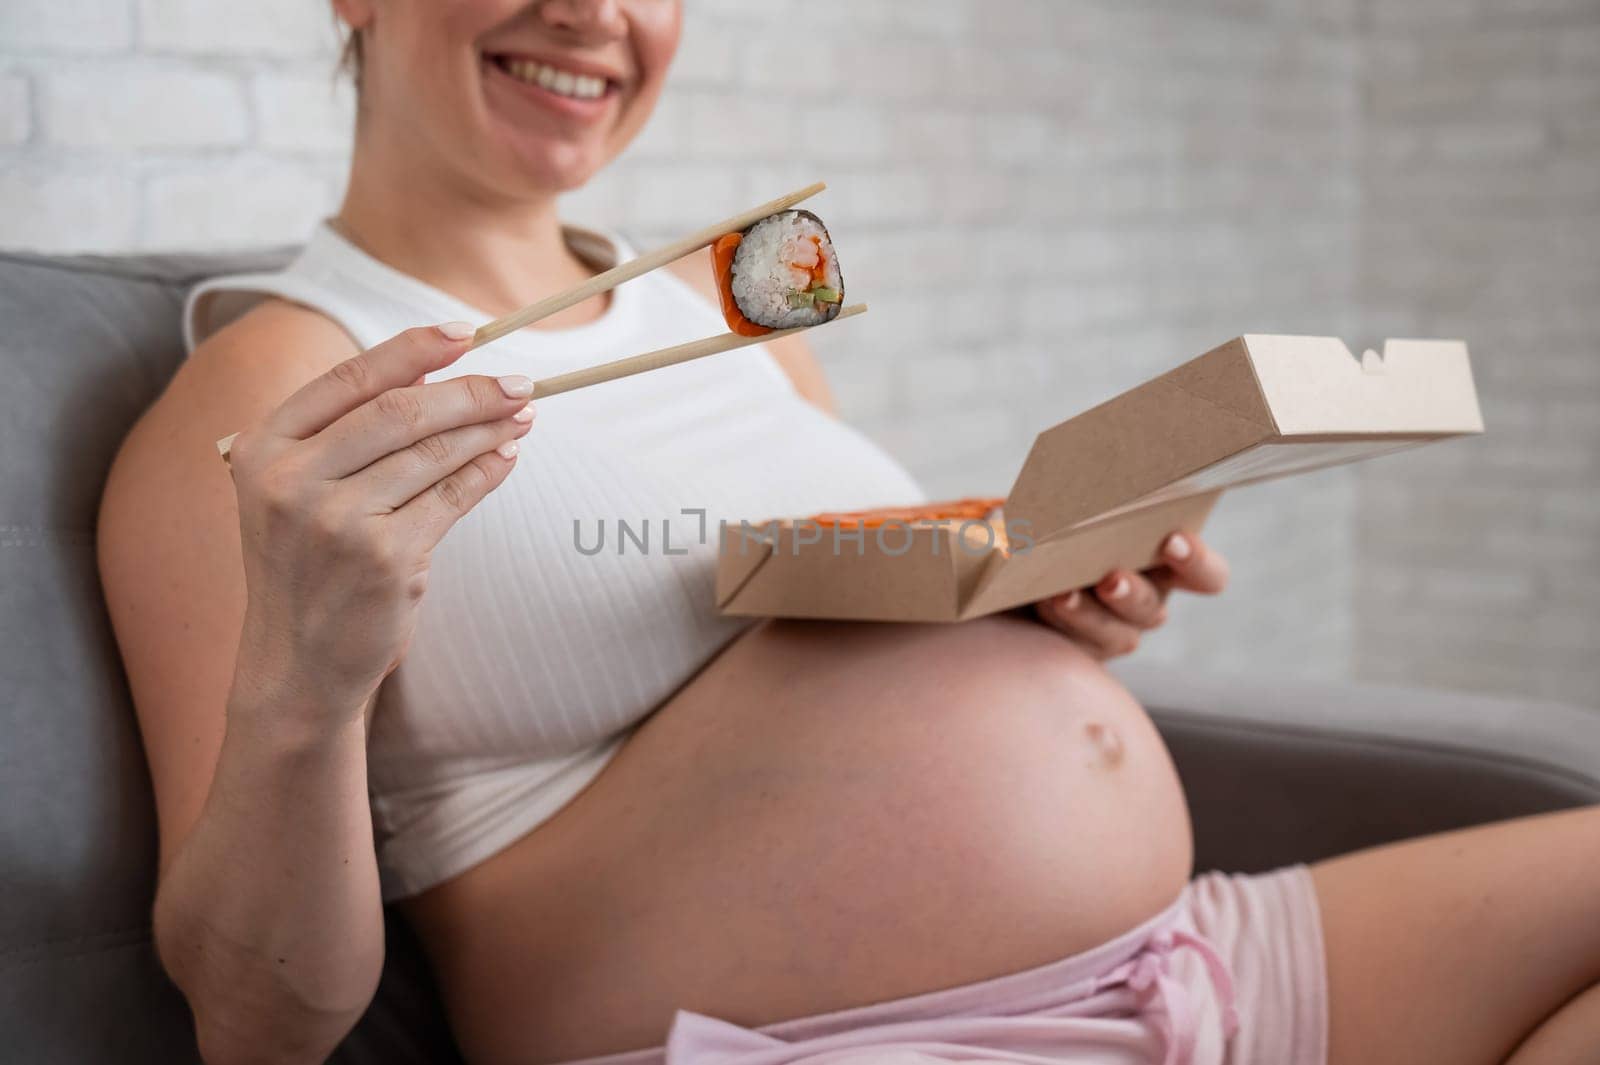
274, 861
267, 912
793, 355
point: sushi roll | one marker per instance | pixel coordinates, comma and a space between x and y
781, 273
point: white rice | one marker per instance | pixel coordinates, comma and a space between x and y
763, 278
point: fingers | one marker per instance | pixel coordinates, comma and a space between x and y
397, 478
403, 418
1109, 619
1193, 566
1133, 598
1089, 623
395, 363
436, 508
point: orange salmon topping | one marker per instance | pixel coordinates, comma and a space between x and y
973, 508
722, 253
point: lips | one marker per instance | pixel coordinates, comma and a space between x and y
553, 79
572, 82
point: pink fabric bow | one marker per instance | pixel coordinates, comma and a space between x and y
1150, 977
1094, 1023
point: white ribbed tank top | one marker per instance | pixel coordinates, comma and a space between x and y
532, 658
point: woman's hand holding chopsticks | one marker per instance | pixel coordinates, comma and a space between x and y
345, 489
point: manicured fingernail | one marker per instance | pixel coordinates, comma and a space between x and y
1119, 590
1072, 600
1178, 547
508, 450
456, 330
525, 415
515, 386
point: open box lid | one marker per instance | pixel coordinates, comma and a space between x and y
1104, 489
1257, 407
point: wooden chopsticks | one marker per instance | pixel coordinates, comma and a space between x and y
655, 360
644, 264
638, 267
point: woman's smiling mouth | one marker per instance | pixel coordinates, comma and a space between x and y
575, 92
561, 82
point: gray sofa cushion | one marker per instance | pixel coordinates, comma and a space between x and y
1281, 770
87, 344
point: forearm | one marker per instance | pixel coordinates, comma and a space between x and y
270, 917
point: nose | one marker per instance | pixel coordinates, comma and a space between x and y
587, 18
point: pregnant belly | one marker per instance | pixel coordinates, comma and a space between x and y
828, 815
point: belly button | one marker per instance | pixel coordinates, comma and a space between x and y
1107, 743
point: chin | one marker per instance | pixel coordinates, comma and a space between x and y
558, 172
538, 165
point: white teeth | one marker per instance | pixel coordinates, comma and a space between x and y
561, 82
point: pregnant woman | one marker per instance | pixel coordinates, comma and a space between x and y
623, 826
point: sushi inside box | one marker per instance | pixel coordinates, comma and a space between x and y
1102, 490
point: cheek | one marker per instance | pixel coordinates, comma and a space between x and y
449, 32
656, 27
441, 49
473, 17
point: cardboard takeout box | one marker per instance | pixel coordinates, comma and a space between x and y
1102, 490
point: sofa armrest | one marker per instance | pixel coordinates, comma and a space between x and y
1279, 771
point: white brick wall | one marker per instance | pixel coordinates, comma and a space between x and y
1482, 172
146, 124
118, 106
291, 29
16, 109
1112, 186
66, 26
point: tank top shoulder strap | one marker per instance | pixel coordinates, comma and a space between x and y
319, 277
367, 298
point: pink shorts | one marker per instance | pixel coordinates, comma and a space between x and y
1231, 974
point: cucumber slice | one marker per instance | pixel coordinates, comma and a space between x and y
819, 294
